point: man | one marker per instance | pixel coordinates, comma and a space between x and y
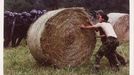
109, 45
121, 59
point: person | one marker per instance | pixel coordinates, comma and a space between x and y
121, 59
109, 45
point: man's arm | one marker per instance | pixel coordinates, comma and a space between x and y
87, 27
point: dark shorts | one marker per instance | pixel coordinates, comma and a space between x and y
108, 49
112, 43
109, 45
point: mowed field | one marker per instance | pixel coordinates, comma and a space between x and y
19, 61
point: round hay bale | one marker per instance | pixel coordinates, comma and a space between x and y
56, 38
121, 28
113, 17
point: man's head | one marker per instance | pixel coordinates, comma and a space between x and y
101, 16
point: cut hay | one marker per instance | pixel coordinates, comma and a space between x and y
56, 38
121, 28
113, 17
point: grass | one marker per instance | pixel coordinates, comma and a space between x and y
19, 61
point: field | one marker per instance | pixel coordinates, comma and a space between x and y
19, 61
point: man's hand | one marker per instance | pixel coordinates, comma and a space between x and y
86, 27
82, 26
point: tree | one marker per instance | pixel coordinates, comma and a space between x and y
106, 5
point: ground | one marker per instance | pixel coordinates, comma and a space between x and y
19, 61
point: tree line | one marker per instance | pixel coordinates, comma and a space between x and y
106, 5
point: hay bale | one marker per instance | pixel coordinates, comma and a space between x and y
121, 28
113, 17
56, 38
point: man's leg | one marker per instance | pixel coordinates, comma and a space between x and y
112, 56
99, 56
118, 56
113, 61
120, 59
109, 59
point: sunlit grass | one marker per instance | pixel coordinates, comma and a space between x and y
19, 61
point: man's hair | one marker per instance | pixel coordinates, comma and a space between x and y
105, 17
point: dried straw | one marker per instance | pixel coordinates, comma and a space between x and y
56, 38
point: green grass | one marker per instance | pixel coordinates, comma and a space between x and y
19, 61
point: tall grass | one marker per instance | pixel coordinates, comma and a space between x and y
19, 61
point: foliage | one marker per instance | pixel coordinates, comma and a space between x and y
107, 5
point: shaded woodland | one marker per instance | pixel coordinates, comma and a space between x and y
106, 5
